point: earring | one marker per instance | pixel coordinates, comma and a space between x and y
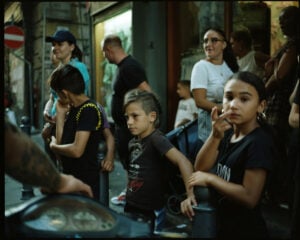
261, 116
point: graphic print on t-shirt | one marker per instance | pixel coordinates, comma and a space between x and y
223, 171
135, 183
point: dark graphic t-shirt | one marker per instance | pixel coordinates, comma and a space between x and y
146, 186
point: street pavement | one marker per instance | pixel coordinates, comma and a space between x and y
277, 218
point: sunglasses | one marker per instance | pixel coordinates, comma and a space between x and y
213, 40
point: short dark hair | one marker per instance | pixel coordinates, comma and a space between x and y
186, 83
68, 78
113, 40
243, 36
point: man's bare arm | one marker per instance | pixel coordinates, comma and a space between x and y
27, 163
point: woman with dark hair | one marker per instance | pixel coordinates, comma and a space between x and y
209, 76
240, 150
66, 51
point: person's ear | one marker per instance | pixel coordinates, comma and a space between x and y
152, 116
72, 46
224, 44
65, 93
262, 106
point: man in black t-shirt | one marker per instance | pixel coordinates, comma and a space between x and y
130, 74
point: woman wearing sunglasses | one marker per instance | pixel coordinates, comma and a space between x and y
209, 76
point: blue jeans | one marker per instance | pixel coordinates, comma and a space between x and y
160, 217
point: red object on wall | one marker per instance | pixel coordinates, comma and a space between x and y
13, 37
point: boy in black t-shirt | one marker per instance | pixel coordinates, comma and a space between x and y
79, 129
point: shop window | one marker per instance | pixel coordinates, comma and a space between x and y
261, 19
199, 15
254, 17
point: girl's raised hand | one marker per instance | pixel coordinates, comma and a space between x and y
219, 123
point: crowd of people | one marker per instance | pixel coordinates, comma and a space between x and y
247, 105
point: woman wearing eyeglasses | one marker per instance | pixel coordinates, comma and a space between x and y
209, 76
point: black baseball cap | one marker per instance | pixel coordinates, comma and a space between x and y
61, 36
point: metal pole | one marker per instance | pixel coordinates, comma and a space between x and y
42, 85
27, 190
204, 221
104, 199
103, 178
29, 86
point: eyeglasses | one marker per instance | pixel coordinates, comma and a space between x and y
213, 40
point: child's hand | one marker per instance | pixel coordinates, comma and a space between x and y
199, 178
53, 142
49, 118
107, 165
219, 123
186, 206
62, 107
